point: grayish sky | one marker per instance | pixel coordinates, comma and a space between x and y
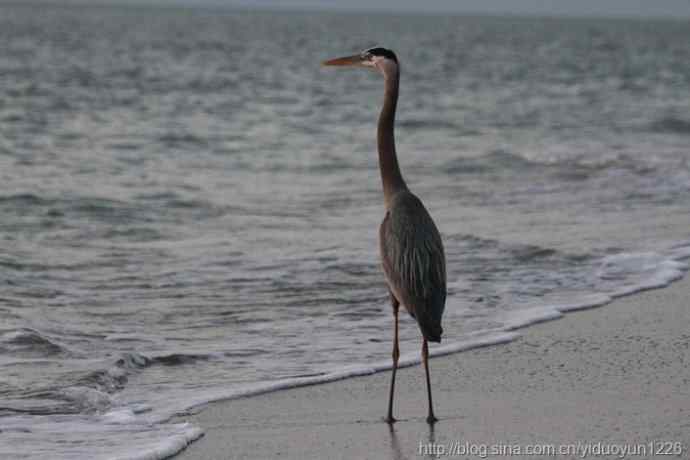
548, 7
638, 8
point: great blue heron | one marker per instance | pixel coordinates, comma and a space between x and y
411, 247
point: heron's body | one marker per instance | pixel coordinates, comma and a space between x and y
411, 247
413, 262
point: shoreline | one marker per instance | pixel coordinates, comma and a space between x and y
614, 375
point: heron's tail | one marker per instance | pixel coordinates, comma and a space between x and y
431, 329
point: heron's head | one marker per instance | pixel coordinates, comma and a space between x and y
381, 59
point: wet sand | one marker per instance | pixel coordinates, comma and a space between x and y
616, 377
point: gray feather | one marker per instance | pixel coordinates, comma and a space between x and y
414, 261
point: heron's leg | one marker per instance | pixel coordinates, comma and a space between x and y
425, 356
396, 356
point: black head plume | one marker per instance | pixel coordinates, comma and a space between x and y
383, 52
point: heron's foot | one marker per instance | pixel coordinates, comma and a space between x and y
431, 419
390, 420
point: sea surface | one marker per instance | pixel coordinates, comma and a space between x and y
189, 203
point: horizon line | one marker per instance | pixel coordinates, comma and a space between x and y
405, 11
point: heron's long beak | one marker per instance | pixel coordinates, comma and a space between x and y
355, 60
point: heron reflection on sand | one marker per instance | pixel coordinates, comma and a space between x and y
410, 244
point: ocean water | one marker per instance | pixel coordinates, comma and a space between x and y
189, 203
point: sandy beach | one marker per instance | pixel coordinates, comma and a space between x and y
611, 382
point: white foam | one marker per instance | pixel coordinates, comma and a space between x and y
179, 437
87, 398
120, 416
528, 316
680, 251
635, 272
584, 303
62, 437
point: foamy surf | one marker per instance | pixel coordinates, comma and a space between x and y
110, 437
136, 430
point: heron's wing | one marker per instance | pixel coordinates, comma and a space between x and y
414, 261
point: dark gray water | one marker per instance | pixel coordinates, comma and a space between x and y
190, 203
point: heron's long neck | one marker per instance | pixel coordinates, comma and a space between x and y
388, 162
